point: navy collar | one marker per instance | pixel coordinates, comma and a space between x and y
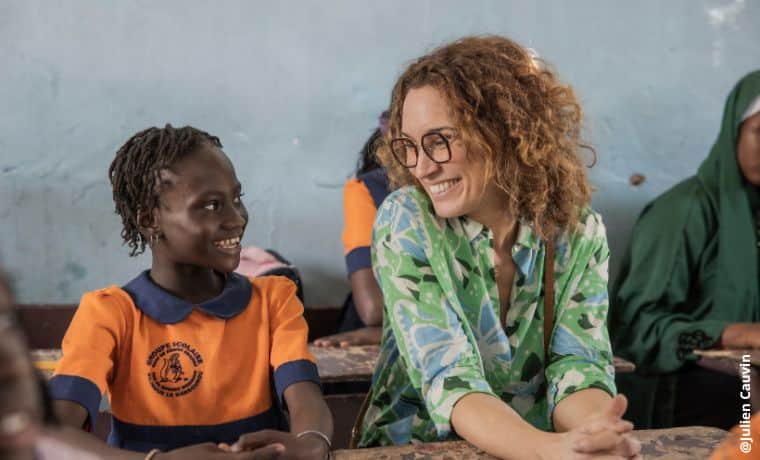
166, 308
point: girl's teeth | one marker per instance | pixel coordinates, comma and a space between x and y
230, 243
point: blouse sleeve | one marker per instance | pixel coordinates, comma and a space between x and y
441, 361
581, 355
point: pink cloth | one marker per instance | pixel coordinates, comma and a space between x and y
255, 261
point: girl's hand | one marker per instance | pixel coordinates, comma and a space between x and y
287, 445
363, 336
210, 451
604, 436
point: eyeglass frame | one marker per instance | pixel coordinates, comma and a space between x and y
437, 132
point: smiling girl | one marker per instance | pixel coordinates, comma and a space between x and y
188, 351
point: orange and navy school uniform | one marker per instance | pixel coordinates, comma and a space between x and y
738, 444
179, 374
362, 197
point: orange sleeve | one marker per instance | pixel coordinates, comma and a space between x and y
289, 355
89, 351
738, 444
359, 215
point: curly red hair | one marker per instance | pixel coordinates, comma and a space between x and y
513, 110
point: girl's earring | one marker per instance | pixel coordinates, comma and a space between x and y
153, 239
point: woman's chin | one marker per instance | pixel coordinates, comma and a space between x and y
447, 210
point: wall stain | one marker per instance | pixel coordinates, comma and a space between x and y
77, 271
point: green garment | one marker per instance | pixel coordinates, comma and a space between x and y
442, 335
691, 268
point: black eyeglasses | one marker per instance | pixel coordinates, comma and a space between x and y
435, 144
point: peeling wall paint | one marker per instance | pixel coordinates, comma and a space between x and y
293, 88
721, 16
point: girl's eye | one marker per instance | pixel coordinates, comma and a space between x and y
212, 206
236, 200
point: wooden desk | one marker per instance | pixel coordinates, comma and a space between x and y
687, 443
742, 364
352, 364
622, 366
736, 356
355, 364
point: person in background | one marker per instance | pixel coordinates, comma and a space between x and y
362, 314
22, 412
189, 351
255, 261
492, 265
689, 280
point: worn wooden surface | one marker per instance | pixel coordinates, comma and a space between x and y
687, 443
737, 356
335, 364
352, 364
45, 325
358, 363
622, 366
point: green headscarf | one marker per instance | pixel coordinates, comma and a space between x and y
720, 176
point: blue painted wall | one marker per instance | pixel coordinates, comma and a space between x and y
293, 88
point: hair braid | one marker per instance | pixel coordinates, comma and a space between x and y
134, 173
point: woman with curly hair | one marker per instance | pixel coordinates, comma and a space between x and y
483, 148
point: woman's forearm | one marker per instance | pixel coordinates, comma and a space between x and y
491, 425
578, 407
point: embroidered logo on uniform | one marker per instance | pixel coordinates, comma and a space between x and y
175, 369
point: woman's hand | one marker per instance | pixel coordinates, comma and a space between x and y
363, 336
741, 336
603, 436
281, 445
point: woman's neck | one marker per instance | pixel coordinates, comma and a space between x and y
502, 225
188, 282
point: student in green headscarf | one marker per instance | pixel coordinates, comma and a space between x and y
689, 280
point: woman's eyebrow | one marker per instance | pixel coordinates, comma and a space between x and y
439, 129
431, 130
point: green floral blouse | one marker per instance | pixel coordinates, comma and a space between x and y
442, 336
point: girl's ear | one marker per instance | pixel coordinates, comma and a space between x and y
149, 223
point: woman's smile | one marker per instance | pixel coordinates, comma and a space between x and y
441, 189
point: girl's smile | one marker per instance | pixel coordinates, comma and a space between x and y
200, 222
230, 244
